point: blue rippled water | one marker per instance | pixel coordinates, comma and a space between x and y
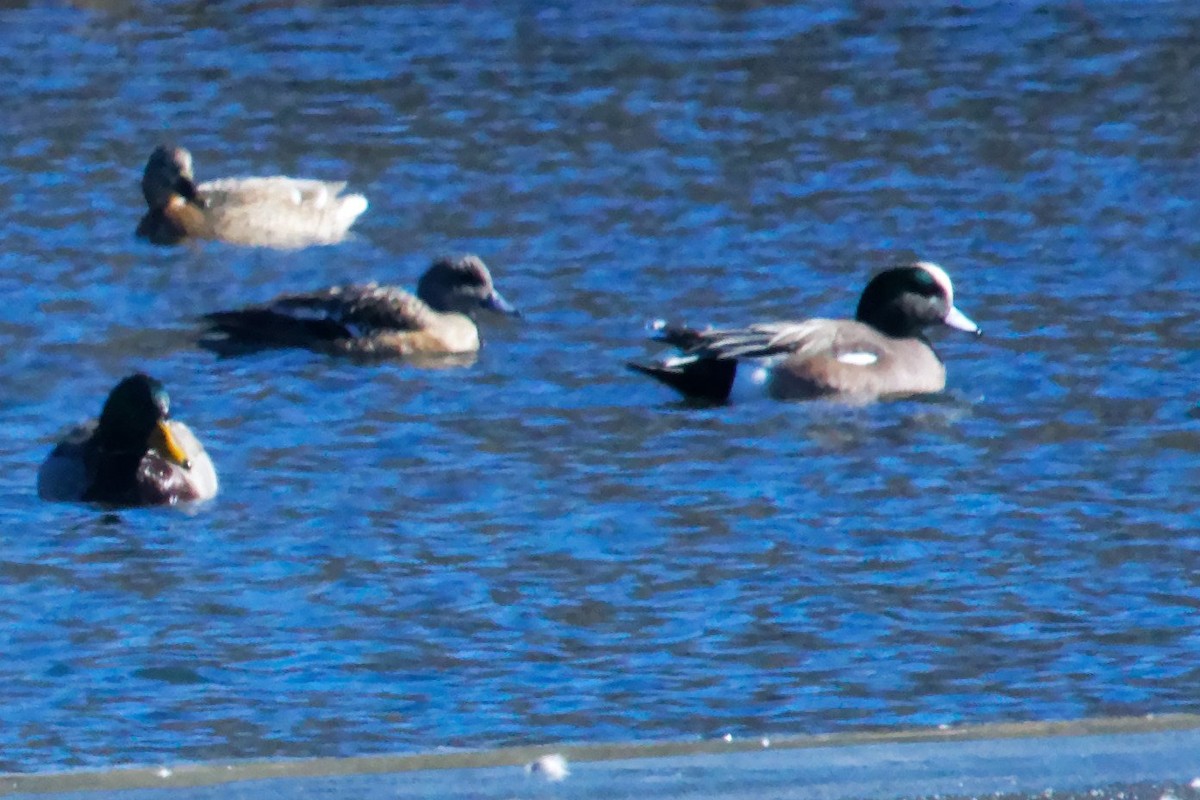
544, 547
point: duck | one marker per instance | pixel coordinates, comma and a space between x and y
277, 212
371, 319
881, 353
134, 454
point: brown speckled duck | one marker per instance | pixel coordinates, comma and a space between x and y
133, 455
369, 319
278, 212
880, 353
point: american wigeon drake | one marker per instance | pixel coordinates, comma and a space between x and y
880, 353
278, 212
372, 320
133, 455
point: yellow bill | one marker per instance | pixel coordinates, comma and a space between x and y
165, 442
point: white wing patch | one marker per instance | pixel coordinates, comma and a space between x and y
858, 358
679, 361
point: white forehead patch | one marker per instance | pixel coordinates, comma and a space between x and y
941, 277
858, 358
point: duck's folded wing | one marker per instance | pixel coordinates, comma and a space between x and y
275, 189
338, 313
66, 473
755, 341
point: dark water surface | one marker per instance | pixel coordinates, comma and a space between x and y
543, 547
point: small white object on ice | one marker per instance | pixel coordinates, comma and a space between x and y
728, 737
766, 742
552, 767
163, 772
1195, 784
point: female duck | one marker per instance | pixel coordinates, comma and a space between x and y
134, 455
265, 212
372, 320
882, 352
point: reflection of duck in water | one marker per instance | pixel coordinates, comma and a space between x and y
882, 352
133, 455
370, 319
268, 212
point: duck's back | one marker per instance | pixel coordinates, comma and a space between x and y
279, 211
365, 319
65, 475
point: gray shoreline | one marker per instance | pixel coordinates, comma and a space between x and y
969, 760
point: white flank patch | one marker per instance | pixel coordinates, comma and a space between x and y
552, 767
750, 380
858, 358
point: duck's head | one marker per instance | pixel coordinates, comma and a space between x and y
134, 420
462, 284
903, 301
168, 175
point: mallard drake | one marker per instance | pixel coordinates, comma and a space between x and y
372, 320
882, 352
133, 455
276, 212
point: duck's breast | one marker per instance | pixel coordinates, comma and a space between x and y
440, 334
163, 482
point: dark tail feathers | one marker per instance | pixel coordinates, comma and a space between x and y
266, 327
708, 379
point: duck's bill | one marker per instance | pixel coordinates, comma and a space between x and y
164, 441
959, 320
496, 302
